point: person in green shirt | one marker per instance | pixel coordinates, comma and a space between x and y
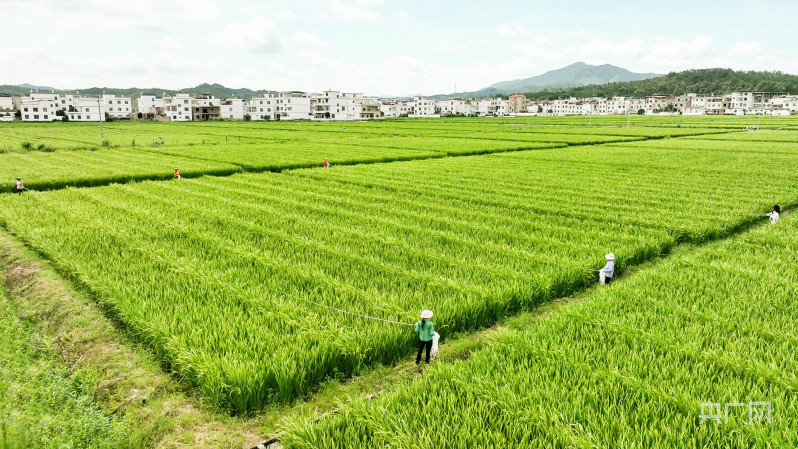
425, 330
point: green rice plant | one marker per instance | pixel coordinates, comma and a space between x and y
198, 269
631, 365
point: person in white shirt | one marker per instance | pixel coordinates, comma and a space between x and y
606, 273
774, 216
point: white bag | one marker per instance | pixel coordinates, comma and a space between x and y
602, 277
434, 352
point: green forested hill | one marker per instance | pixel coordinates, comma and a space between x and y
700, 81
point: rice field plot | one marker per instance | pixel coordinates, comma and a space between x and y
200, 270
763, 135
59, 169
629, 366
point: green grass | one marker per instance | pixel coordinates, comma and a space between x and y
629, 366
42, 402
195, 269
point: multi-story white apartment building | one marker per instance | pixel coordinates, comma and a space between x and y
6, 102
262, 108
329, 105
785, 104
7, 108
423, 107
149, 104
716, 105
740, 103
39, 110
117, 107
293, 106
178, 107
87, 110
359, 107
233, 109
454, 107
657, 103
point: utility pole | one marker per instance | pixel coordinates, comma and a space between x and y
629, 114
100, 118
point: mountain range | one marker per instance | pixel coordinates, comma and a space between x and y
575, 75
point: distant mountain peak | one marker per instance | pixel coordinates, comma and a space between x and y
574, 75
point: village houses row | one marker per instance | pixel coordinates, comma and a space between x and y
334, 105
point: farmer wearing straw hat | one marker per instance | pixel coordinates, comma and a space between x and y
425, 330
20, 186
606, 273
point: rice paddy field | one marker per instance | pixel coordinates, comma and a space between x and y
228, 276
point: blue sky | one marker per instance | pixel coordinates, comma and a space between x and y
378, 47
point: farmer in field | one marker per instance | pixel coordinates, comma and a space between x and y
774, 216
20, 186
177, 174
425, 330
326, 164
606, 273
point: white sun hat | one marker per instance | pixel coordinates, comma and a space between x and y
426, 314
610, 256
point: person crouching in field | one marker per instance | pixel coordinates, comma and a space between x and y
774, 216
606, 273
425, 330
177, 174
20, 186
326, 164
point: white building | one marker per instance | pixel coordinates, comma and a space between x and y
293, 106
6, 103
178, 108
786, 104
262, 108
87, 110
740, 103
423, 107
233, 109
329, 105
117, 107
39, 110
455, 107
358, 107
149, 104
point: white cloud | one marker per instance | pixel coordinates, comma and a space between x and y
310, 39
578, 34
370, 2
402, 14
538, 47
71, 14
313, 58
518, 30
448, 47
745, 50
170, 43
600, 50
259, 35
285, 14
342, 11
675, 54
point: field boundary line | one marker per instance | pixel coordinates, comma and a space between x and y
242, 168
131, 385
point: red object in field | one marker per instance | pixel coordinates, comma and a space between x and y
326, 164
177, 174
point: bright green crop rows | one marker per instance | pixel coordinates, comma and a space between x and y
628, 367
195, 268
223, 148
